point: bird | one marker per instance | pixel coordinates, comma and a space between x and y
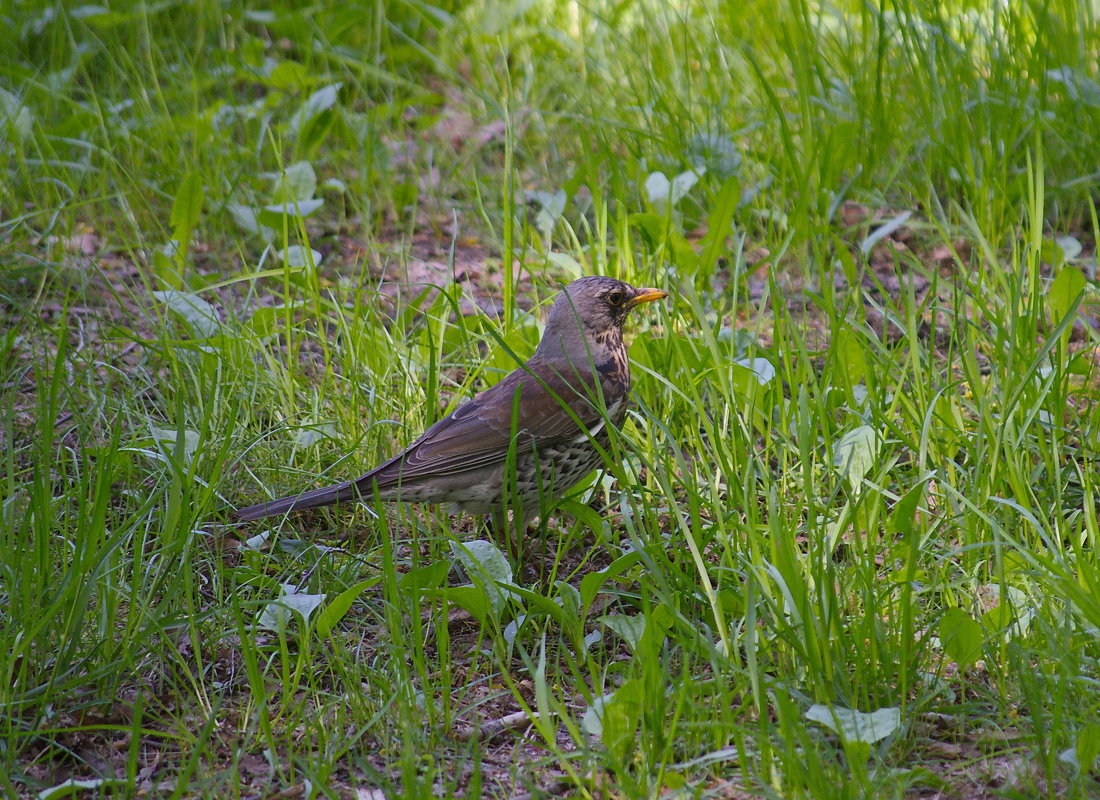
533, 435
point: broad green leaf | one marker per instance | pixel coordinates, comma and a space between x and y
584, 514
244, 216
1071, 247
257, 542
761, 369
267, 320
1065, 293
168, 264
850, 356
298, 183
485, 557
1021, 611
545, 720
1088, 746
594, 581
566, 262
748, 378
653, 227
1000, 619
278, 613
299, 547
629, 627
904, 512
167, 438
487, 568
658, 188
664, 193
570, 599
621, 717
300, 257
658, 233
473, 599
719, 224
335, 611
856, 726
847, 262
534, 601
424, 579
186, 210
1059, 250
73, 787
187, 207
592, 721
718, 154
551, 207
658, 622
303, 604
511, 630
200, 316
614, 718
307, 437
1080, 364
272, 215
855, 455
288, 75
683, 182
15, 116
961, 637
320, 101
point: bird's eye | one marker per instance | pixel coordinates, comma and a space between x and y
615, 298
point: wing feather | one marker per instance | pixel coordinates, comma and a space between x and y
478, 434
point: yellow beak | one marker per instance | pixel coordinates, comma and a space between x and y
646, 296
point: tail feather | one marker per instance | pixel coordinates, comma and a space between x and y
383, 478
325, 496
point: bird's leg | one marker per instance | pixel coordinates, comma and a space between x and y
500, 530
537, 549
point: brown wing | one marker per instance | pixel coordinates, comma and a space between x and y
479, 433
474, 436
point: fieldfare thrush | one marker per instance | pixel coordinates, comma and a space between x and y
549, 417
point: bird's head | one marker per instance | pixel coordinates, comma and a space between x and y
589, 315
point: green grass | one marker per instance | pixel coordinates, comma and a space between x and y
859, 476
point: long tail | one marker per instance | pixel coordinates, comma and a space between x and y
325, 496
